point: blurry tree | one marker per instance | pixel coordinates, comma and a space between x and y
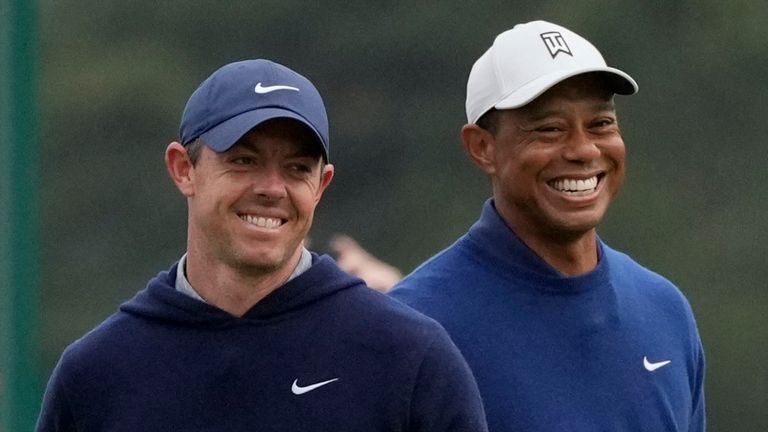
116, 76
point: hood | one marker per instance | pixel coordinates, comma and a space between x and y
160, 300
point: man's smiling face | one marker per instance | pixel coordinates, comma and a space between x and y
251, 206
558, 161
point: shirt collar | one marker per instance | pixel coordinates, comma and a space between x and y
183, 286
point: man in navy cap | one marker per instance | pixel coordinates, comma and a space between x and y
250, 330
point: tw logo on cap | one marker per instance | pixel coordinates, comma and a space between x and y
555, 43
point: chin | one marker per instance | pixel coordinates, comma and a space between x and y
261, 263
580, 230
573, 228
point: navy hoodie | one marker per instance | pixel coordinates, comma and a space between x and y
321, 353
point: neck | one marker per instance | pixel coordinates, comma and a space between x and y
571, 258
234, 289
570, 253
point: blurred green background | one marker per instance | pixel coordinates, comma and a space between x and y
115, 76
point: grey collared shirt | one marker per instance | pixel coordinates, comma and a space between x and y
183, 286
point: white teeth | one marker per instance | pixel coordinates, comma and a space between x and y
263, 222
575, 186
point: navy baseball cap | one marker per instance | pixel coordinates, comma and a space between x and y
241, 95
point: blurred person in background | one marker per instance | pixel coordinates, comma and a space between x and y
353, 258
562, 332
249, 330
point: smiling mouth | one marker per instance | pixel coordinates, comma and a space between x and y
262, 222
575, 187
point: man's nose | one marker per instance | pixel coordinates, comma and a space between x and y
269, 183
581, 146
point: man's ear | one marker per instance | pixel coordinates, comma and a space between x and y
180, 168
480, 145
325, 179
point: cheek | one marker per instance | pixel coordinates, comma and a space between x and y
615, 152
314, 188
306, 196
217, 194
525, 166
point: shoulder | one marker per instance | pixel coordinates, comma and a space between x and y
84, 371
646, 286
438, 287
381, 314
450, 265
103, 341
623, 267
343, 295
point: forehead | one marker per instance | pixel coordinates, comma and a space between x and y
590, 89
281, 135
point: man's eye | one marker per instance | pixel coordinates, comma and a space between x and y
546, 129
300, 168
604, 122
243, 160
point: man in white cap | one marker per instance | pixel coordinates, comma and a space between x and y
250, 331
562, 332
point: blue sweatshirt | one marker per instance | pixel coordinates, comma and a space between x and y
321, 353
615, 349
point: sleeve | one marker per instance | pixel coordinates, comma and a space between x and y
55, 414
698, 412
445, 396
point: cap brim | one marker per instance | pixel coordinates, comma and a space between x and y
224, 135
620, 82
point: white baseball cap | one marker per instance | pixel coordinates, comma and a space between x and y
527, 60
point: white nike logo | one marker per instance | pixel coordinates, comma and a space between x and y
653, 366
263, 90
298, 390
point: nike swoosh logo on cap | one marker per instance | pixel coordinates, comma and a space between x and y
263, 90
298, 390
653, 366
